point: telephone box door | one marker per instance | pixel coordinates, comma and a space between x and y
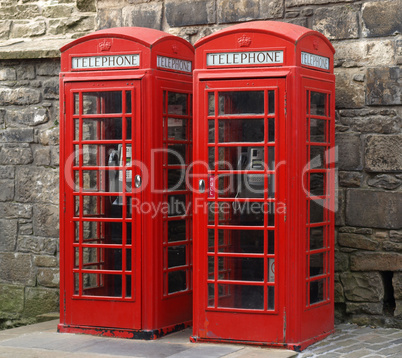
102, 181
240, 209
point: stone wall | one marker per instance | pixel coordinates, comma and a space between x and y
367, 37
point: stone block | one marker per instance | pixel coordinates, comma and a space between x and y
383, 18
357, 241
40, 300
15, 210
398, 309
349, 151
17, 268
48, 277
86, 5
383, 86
23, 28
349, 93
37, 184
7, 189
42, 156
273, 9
144, 15
385, 181
383, 153
108, 18
339, 296
243, 10
12, 298
7, 172
364, 308
51, 88
374, 124
363, 287
46, 220
25, 228
397, 285
392, 246
8, 235
48, 67
19, 96
338, 22
45, 261
341, 261
26, 72
292, 3
5, 28
54, 155
189, 12
340, 207
14, 135
8, 74
27, 11
376, 261
29, 116
57, 11
350, 179
37, 245
49, 136
362, 209
15, 154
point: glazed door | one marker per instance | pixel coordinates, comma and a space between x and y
240, 210
103, 181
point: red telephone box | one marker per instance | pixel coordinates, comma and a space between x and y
264, 186
125, 144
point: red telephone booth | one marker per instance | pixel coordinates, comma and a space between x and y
125, 144
264, 186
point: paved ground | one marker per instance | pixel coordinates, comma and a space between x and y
42, 341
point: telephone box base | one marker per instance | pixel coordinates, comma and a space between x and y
123, 333
297, 347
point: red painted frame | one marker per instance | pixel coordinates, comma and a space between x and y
151, 313
299, 321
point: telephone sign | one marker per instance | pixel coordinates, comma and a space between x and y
264, 229
125, 239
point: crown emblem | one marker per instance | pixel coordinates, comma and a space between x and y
315, 44
175, 48
244, 41
105, 45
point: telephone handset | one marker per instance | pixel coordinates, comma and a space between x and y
255, 161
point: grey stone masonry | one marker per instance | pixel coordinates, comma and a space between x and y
367, 36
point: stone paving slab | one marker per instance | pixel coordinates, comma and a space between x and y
42, 340
351, 341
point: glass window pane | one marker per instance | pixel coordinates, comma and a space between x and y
177, 281
317, 210
177, 205
316, 291
177, 129
101, 128
176, 256
240, 213
316, 264
242, 241
176, 179
76, 103
241, 130
241, 296
102, 102
317, 157
95, 284
271, 102
211, 295
318, 130
177, 103
271, 298
211, 104
177, 154
241, 102
317, 184
316, 238
176, 230
318, 103
241, 268
271, 130
128, 101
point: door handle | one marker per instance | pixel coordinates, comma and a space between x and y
201, 186
137, 181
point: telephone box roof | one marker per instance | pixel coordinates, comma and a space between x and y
290, 32
145, 36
